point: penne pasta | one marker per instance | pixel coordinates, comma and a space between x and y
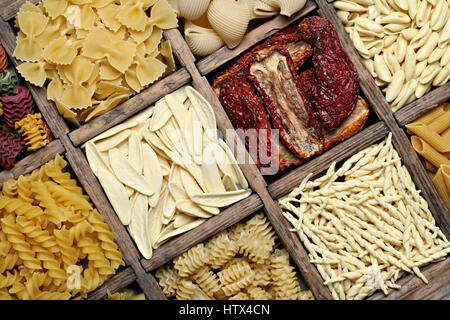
431, 137
431, 115
430, 166
428, 152
446, 174
441, 123
441, 187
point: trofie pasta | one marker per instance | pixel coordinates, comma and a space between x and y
404, 44
93, 56
365, 224
429, 135
49, 230
201, 273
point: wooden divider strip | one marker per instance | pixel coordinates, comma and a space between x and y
384, 112
428, 102
120, 280
223, 55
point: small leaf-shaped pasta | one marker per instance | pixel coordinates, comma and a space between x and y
287, 7
393, 89
425, 51
381, 69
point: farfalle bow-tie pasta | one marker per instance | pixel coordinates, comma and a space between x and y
95, 53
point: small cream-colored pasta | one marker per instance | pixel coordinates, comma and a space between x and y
370, 66
412, 8
230, 20
425, 51
421, 36
348, 6
193, 9
391, 62
428, 152
423, 13
393, 89
389, 40
381, 69
436, 55
363, 31
403, 98
429, 73
402, 4
443, 76
422, 89
382, 6
444, 35
287, 7
420, 67
445, 59
409, 33
395, 18
439, 14
400, 49
359, 45
201, 41
410, 63
343, 16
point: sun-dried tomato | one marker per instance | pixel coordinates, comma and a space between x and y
336, 81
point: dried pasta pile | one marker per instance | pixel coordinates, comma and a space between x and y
211, 24
404, 44
430, 137
365, 225
239, 263
95, 54
49, 231
124, 294
165, 171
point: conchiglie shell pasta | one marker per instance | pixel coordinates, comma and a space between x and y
193, 9
201, 41
287, 7
261, 9
230, 20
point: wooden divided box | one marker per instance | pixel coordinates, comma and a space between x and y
199, 72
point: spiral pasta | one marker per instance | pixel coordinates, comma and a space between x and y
233, 269
48, 231
32, 130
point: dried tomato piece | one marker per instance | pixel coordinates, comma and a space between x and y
336, 80
247, 113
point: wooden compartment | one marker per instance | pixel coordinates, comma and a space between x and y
195, 72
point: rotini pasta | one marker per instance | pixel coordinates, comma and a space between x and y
48, 229
231, 273
32, 129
